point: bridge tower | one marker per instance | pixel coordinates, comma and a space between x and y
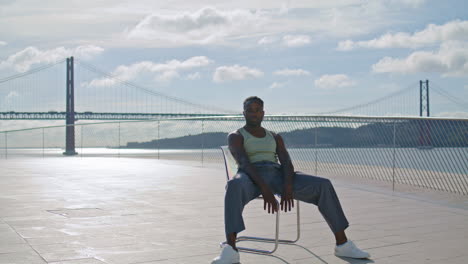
70, 111
424, 98
424, 125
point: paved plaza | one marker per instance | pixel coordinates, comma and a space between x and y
73, 210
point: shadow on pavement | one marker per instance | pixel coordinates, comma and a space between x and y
356, 261
349, 260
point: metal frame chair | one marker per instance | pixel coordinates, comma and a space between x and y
231, 170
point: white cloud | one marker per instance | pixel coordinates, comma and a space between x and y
163, 71
167, 76
229, 22
170, 23
410, 3
194, 76
235, 72
204, 26
346, 45
267, 40
296, 40
292, 72
24, 59
3, 43
290, 41
229, 26
432, 34
276, 85
450, 60
9, 98
11, 95
334, 81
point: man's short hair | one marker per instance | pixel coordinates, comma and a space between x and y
253, 99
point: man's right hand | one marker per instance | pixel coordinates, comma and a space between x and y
269, 200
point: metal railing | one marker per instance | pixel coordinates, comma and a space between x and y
424, 152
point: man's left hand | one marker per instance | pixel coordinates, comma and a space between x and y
287, 200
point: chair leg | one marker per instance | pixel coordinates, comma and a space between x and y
275, 240
285, 241
298, 211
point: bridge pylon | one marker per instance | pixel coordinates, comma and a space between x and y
425, 139
70, 111
424, 98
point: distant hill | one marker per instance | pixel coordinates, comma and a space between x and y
413, 133
210, 140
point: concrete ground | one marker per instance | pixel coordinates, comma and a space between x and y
74, 210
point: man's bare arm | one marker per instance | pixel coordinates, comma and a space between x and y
284, 159
236, 146
287, 200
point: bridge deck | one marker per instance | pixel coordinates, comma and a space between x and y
138, 210
53, 115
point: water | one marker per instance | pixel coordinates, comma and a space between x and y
449, 160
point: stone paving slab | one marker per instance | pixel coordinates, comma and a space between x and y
74, 210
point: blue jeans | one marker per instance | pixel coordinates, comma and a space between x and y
307, 188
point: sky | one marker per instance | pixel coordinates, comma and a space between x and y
301, 57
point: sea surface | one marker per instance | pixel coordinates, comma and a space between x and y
449, 160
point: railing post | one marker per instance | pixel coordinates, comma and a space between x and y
159, 123
202, 141
316, 152
394, 156
82, 139
427, 97
119, 142
6, 145
42, 142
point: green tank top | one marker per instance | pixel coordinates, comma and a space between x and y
259, 149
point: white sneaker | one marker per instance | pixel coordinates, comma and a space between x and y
228, 256
350, 250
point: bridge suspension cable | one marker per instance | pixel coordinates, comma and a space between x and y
31, 71
377, 101
100, 72
456, 100
39, 89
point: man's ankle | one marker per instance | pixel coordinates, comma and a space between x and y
341, 242
233, 247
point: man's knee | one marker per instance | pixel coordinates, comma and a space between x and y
326, 183
234, 184
314, 180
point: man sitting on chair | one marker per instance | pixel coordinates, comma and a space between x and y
257, 151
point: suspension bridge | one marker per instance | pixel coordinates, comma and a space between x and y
49, 92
